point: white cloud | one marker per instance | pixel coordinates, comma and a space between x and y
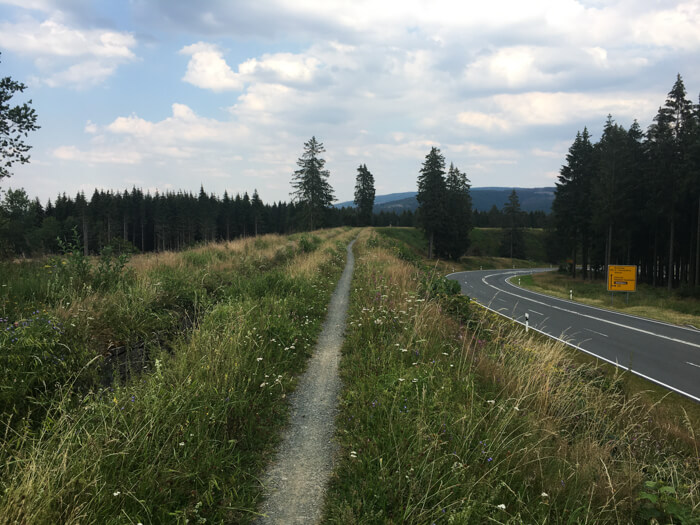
97, 156
675, 28
51, 38
542, 108
485, 121
207, 68
281, 67
68, 56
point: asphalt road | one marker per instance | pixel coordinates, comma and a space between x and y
666, 354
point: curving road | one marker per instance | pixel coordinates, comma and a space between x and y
666, 354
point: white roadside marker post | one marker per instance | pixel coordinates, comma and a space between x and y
527, 322
571, 295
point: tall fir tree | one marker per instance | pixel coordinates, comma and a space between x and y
611, 189
512, 241
668, 143
432, 194
311, 188
364, 195
459, 213
572, 205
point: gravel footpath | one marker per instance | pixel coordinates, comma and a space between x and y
295, 484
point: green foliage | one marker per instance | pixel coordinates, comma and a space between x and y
32, 361
77, 268
455, 239
364, 195
111, 269
463, 418
15, 123
310, 183
434, 286
634, 197
660, 502
188, 438
308, 243
432, 194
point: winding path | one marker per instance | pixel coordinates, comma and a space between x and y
296, 482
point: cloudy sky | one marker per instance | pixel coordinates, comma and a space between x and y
169, 95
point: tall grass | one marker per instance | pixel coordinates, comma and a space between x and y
450, 415
187, 440
149, 302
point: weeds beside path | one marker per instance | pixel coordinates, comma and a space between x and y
297, 480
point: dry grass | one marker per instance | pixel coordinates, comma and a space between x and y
309, 264
550, 423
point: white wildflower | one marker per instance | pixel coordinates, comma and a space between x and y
491, 401
116, 493
544, 495
501, 506
401, 379
259, 359
353, 454
181, 443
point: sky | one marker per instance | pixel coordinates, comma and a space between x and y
170, 95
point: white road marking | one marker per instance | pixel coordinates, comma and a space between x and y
586, 315
688, 328
692, 364
535, 312
614, 363
599, 333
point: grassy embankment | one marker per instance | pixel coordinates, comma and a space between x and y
452, 415
481, 254
648, 301
186, 439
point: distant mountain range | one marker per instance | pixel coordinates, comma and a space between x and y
483, 199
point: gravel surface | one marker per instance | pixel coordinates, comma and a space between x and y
295, 484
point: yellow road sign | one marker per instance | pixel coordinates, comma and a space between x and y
622, 278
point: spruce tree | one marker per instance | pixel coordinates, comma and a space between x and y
311, 188
668, 142
572, 205
364, 195
459, 213
512, 242
432, 193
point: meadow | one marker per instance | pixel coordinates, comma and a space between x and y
155, 390
184, 435
453, 415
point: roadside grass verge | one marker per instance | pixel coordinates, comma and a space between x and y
450, 414
676, 307
187, 440
411, 244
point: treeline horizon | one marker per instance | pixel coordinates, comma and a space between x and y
633, 197
140, 221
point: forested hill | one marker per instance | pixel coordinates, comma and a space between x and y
483, 199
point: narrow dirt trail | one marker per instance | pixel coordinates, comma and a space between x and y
296, 482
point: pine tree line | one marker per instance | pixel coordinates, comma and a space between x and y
445, 207
634, 197
136, 220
